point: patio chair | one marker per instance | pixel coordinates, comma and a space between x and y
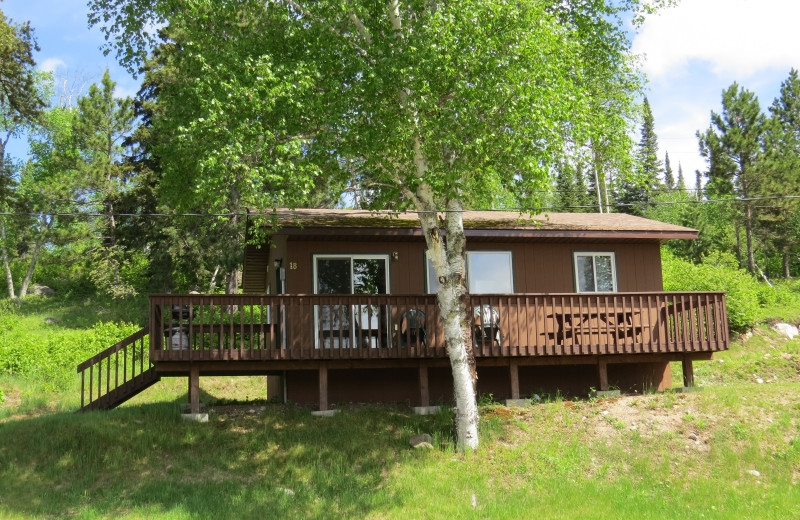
412, 328
486, 325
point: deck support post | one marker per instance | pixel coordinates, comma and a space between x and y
602, 372
513, 376
323, 386
424, 391
688, 372
194, 389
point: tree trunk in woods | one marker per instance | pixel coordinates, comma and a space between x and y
748, 231
6, 262
786, 264
26, 282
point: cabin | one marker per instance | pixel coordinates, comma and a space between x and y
340, 306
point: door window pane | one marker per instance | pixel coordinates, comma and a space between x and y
333, 276
369, 276
348, 326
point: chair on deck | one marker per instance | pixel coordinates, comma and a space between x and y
412, 328
486, 325
336, 326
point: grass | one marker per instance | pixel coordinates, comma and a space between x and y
730, 451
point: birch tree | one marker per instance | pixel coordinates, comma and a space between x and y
21, 104
430, 106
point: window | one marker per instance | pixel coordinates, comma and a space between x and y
595, 272
350, 274
487, 272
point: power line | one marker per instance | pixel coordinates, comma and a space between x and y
521, 210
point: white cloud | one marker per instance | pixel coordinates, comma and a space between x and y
734, 38
52, 64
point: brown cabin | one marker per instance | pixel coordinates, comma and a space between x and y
340, 306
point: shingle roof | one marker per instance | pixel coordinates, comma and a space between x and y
496, 222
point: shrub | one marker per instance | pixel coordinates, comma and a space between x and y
52, 358
718, 272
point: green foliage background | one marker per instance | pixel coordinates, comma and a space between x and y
49, 352
747, 299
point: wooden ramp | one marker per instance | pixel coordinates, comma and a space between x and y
120, 372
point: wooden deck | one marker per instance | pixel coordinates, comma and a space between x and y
397, 327
190, 335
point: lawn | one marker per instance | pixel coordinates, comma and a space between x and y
731, 450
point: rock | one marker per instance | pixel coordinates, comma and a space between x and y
424, 446
790, 331
43, 290
754, 472
693, 437
51, 320
417, 441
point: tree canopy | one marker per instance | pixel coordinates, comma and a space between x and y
426, 105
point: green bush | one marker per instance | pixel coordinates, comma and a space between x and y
718, 272
53, 357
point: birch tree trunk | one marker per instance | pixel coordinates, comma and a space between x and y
447, 250
26, 282
6, 264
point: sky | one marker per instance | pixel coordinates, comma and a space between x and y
690, 54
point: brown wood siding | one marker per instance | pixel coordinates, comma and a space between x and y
539, 267
255, 279
406, 274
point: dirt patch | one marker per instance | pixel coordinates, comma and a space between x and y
650, 416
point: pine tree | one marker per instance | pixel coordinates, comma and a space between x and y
780, 221
681, 184
101, 126
669, 179
732, 145
636, 189
698, 184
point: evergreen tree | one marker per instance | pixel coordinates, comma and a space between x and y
732, 145
572, 192
681, 184
698, 184
102, 124
780, 220
669, 178
636, 189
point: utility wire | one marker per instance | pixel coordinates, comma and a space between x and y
521, 210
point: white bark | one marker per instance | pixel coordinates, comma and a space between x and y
394, 15
6, 263
37, 249
447, 254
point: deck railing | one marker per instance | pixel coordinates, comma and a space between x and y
116, 372
307, 327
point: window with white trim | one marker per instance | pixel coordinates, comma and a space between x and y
488, 272
595, 272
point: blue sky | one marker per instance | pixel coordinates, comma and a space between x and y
690, 52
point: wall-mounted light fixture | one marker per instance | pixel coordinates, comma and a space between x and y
395, 255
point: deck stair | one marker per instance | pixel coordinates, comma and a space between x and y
115, 375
